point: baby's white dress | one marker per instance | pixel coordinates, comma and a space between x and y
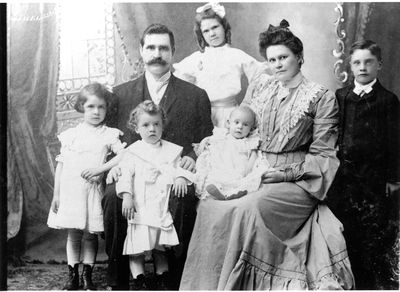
148, 173
83, 147
219, 72
222, 162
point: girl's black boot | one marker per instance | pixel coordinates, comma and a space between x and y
86, 278
73, 278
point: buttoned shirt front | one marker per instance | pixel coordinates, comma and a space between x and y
157, 87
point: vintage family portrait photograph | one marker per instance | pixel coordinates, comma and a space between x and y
192, 145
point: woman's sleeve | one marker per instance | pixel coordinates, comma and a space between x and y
125, 181
186, 69
320, 165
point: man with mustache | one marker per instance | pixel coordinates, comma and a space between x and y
188, 113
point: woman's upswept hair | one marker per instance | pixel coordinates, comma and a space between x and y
99, 90
280, 35
210, 14
148, 107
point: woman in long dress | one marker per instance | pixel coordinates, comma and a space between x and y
218, 67
282, 236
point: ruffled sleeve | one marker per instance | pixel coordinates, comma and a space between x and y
125, 181
186, 69
319, 168
251, 67
66, 138
253, 141
115, 144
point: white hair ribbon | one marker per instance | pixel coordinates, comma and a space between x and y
216, 7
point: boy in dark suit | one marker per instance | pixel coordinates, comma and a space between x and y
188, 112
362, 195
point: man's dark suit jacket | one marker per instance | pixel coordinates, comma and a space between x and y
186, 106
188, 112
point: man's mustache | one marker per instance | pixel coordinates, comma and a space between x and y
159, 61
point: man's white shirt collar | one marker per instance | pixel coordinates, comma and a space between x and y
157, 87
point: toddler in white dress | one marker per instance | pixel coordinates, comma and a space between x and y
76, 204
149, 172
228, 165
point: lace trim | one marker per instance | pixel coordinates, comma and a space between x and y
264, 90
268, 88
298, 106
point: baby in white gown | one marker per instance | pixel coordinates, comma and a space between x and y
228, 165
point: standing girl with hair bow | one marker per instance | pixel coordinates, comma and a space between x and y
217, 67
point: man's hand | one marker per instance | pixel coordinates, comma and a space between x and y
188, 163
128, 206
180, 187
273, 177
113, 175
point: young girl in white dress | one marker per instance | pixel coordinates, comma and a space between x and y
149, 172
76, 204
228, 165
217, 67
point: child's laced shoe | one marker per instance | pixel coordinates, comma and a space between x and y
162, 281
138, 283
72, 282
86, 278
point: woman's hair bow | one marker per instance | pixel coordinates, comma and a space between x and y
216, 7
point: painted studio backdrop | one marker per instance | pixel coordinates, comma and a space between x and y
56, 49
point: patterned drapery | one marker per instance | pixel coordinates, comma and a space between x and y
33, 64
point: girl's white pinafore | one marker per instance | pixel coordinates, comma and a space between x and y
83, 147
219, 71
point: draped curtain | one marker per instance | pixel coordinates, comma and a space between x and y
33, 64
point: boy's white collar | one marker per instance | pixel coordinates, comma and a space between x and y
359, 88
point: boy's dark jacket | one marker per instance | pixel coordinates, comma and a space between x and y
371, 141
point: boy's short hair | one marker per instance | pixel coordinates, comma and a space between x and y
148, 107
367, 45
